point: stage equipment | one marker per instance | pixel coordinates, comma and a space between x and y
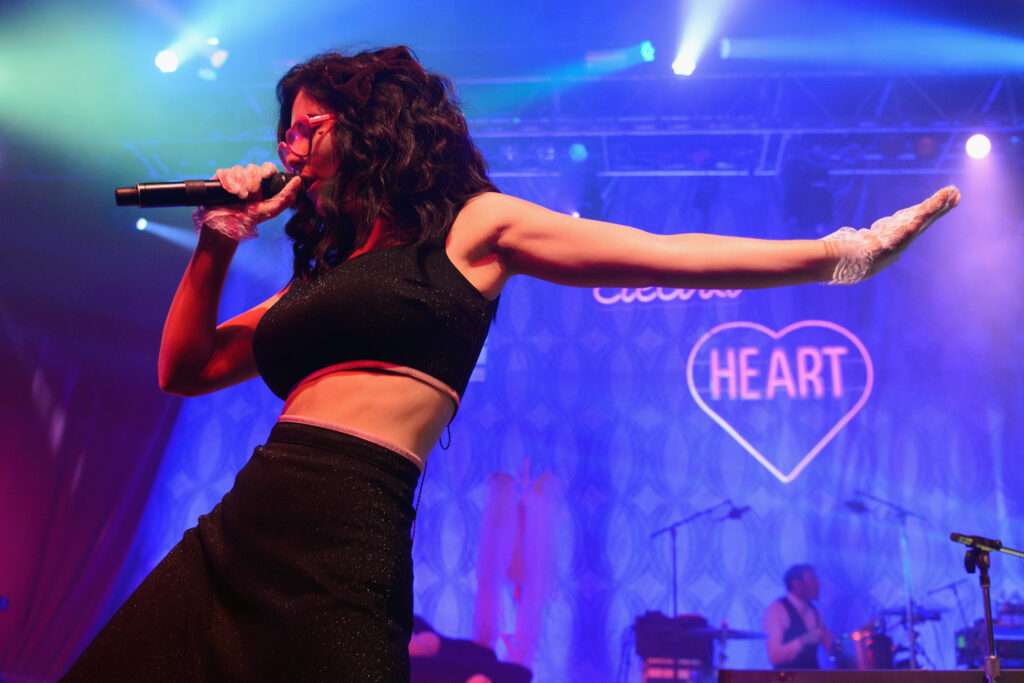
1009, 642
668, 649
863, 650
726, 676
919, 613
903, 514
733, 513
977, 557
682, 648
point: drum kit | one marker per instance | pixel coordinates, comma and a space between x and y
682, 648
871, 647
679, 648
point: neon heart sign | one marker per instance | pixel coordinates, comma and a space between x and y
786, 393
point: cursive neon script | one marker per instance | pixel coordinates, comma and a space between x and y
608, 297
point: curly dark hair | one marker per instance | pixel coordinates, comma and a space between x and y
404, 149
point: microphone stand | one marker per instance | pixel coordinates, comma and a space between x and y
956, 593
977, 557
903, 514
671, 530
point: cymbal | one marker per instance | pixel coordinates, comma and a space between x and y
921, 613
723, 633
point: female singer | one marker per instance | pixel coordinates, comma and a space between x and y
402, 246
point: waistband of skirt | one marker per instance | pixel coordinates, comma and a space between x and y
344, 445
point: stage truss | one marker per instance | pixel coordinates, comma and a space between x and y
631, 124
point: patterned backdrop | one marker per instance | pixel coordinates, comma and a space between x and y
903, 388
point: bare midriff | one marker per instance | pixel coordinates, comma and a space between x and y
384, 407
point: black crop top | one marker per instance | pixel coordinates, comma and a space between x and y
406, 306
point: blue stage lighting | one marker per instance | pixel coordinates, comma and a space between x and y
166, 61
860, 38
647, 51
702, 20
141, 224
578, 152
978, 146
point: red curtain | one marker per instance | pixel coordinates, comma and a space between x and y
81, 444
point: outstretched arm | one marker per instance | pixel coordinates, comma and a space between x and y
528, 239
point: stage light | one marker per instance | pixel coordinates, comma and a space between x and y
647, 51
207, 74
141, 224
546, 153
702, 20
213, 41
978, 146
725, 48
166, 61
218, 58
684, 66
578, 152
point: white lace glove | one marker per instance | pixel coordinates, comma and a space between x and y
864, 252
239, 221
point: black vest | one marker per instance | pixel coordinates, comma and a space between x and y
807, 658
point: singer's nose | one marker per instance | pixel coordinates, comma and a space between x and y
291, 161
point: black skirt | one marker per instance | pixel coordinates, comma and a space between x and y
303, 572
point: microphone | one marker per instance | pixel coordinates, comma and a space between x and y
737, 512
192, 193
976, 541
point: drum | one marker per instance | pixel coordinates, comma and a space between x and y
863, 650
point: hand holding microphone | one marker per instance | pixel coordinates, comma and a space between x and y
238, 221
198, 192
233, 203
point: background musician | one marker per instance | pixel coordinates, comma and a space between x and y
793, 624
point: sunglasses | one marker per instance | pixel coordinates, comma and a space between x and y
298, 140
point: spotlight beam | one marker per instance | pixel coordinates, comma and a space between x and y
183, 237
703, 18
889, 44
